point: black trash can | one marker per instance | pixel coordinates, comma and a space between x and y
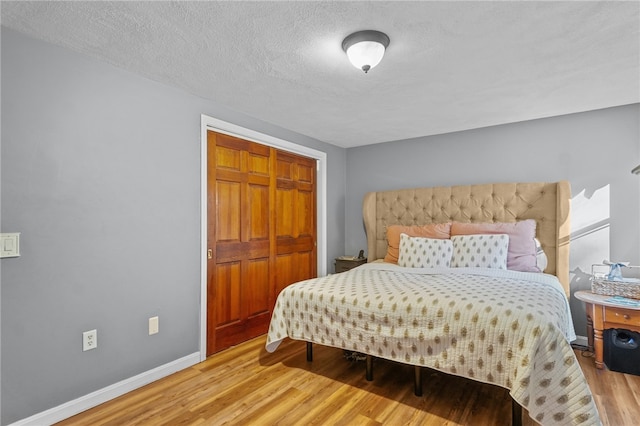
622, 350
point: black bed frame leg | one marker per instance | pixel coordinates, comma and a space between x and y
309, 351
516, 413
417, 380
369, 374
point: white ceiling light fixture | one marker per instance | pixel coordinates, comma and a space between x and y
365, 49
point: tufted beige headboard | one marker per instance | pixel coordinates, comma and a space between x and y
547, 203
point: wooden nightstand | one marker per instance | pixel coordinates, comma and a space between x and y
602, 315
343, 264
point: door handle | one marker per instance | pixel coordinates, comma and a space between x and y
209, 254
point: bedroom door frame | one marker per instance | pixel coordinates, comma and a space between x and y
220, 126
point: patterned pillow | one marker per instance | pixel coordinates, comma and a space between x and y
480, 251
417, 252
432, 230
522, 250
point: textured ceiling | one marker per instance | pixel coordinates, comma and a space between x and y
450, 66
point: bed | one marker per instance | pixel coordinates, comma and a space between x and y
511, 328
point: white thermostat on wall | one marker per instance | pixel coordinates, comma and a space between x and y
10, 244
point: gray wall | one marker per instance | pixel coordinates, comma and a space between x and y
101, 175
594, 150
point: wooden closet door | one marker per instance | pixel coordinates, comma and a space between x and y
240, 287
295, 219
261, 234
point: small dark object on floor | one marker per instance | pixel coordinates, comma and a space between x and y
354, 356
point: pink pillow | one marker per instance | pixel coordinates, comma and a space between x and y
522, 246
433, 230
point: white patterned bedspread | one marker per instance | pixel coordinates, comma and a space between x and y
502, 327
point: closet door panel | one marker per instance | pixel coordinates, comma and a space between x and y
259, 221
257, 288
227, 293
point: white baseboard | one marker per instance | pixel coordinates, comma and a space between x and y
71, 408
581, 341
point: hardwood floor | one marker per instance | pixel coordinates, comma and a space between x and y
245, 385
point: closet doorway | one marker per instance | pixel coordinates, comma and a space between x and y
261, 234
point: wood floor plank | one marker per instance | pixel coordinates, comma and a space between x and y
245, 385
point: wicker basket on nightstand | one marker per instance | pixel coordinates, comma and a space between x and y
601, 285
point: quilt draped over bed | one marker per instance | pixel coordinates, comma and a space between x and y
507, 328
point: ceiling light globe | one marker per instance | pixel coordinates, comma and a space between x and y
365, 55
365, 49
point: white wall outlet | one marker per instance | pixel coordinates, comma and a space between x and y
89, 340
154, 325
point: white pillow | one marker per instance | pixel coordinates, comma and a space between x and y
541, 256
480, 251
418, 252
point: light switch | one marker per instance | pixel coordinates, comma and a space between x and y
153, 325
10, 244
